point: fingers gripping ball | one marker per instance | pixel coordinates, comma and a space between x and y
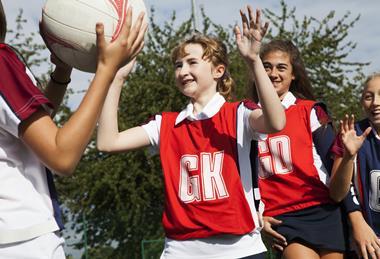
68, 27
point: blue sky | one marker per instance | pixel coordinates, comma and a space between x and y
226, 12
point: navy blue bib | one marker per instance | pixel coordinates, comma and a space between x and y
369, 176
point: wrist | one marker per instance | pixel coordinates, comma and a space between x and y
119, 79
107, 72
252, 63
60, 79
356, 217
348, 156
61, 75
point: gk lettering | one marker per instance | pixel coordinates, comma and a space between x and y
208, 184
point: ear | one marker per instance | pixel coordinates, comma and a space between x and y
218, 71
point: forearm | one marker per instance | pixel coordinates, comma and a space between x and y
356, 217
341, 177
108, 129
274, 115
56, 87
73, 137
357, 221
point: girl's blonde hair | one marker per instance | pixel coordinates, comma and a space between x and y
214, 51
3, 24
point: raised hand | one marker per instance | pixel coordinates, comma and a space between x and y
350, 140
249, 42
124, 71
125, 47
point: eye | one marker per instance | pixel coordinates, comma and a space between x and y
177, 65
368, 97
267, 66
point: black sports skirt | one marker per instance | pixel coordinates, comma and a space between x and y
319, 227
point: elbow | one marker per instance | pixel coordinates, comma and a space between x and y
106, 148
103, 147
277, 125
103, 143
280, 125
335, 196
64, 166
64, 170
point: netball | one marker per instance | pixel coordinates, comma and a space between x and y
69, 27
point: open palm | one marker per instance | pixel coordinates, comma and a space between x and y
249, 42
351, 141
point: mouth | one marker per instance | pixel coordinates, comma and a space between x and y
276, 82
187, 81
375, 113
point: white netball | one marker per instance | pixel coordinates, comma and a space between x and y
69, 27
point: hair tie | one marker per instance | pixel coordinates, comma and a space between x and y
58, 82
226, 75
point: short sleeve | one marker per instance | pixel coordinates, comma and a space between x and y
319, 116
314, 122
337, 148
248, 107
152, 128
20, 97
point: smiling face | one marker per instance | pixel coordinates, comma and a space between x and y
371, 101
196, 77
280, 71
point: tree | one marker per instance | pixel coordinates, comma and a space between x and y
121, 196
26, 43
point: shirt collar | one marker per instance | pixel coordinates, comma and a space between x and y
288, 100
374, 130
211, 108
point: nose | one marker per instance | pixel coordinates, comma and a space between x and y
184, 70
376, 100
272, 73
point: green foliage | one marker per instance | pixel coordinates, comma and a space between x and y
121, 196
26, 43
151, 248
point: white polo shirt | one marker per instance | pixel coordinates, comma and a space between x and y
26, 209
